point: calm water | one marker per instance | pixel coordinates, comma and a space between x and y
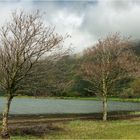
52, 106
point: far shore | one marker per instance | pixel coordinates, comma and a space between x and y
82, 98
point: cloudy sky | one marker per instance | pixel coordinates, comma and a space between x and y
85, 21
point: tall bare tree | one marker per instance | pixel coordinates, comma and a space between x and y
23, 41
105, 63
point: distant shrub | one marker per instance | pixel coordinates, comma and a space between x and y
128, 93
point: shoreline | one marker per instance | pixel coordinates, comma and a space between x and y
115, 115
82, 98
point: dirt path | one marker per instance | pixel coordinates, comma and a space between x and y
23, 121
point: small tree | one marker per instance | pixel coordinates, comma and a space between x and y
105, 63
23, 41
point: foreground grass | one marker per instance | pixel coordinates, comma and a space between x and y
122, 129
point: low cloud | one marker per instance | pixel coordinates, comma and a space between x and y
84, 21
113, 16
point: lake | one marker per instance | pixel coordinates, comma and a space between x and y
55, 106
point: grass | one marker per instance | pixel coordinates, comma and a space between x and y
96, 98
125, 99
86, 98
120, 129
99, 130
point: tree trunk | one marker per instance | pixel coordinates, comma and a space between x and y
104, 99
104, 108
5, 132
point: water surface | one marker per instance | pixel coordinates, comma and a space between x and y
55, 106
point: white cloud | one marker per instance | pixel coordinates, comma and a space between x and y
84, 21
113, 16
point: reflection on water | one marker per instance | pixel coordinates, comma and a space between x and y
52, 106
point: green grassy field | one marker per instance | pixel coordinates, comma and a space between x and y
120, 129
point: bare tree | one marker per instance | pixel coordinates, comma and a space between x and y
23, 41
105, 63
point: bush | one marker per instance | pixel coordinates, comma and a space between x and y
127, 93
